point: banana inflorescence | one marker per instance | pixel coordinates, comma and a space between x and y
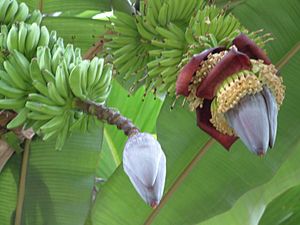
153, 45
41, 79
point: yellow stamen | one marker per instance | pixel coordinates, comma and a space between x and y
204, 68
235, 87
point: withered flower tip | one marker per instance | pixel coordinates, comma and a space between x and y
145, 164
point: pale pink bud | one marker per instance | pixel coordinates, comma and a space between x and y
145, 164
254, 120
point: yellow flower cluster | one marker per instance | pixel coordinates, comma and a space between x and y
204, 68
235, 87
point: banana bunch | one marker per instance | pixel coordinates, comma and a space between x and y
50, 85
41, 79
25, 38
90, 80
129, 50
210, 28
173, 30
154, 40
11, 12
60, 77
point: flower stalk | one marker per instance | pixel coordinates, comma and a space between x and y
108, 115
143, 158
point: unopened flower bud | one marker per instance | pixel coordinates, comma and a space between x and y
272, 114
254, 120
145, 164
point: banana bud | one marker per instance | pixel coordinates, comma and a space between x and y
145, 164
254, 120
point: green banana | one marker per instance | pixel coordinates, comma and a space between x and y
172, 53
170, 62
156, 5
189, 36
126, 19
124, 58
48, 76
62, 137
35, 72
52, 39
153, 63
10, 92
40, 87
172, 11
12, 38
61, 82
22, 13
2, 42
163, 14
19, 119
4, 4
125, 49
176, 31
151, 17
21, 64
103, 84
69, 54
44, 108
56, 59
18, 80
44, 58
155, 71
129, 66
36, 126
32, 39
75, 82
100, 97
22, 35
142, 30
35, 17
13, 104
38, 116
44, 37
173, 44
5, 77
99, 70
155, 52
54, 95
158, 43
11, 12
92, 73
190, 6
84, 66
49, 135
34, 97
126, 31
84, 123
169, 72
54, 124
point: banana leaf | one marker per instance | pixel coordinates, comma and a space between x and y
220, 178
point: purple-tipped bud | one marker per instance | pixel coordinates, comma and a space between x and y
254, 120
145, 164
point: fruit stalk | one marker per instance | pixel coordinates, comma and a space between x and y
108, 115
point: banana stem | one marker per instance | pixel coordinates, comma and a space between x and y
108, 115
21, 194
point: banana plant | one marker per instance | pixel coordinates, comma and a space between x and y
53, 82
